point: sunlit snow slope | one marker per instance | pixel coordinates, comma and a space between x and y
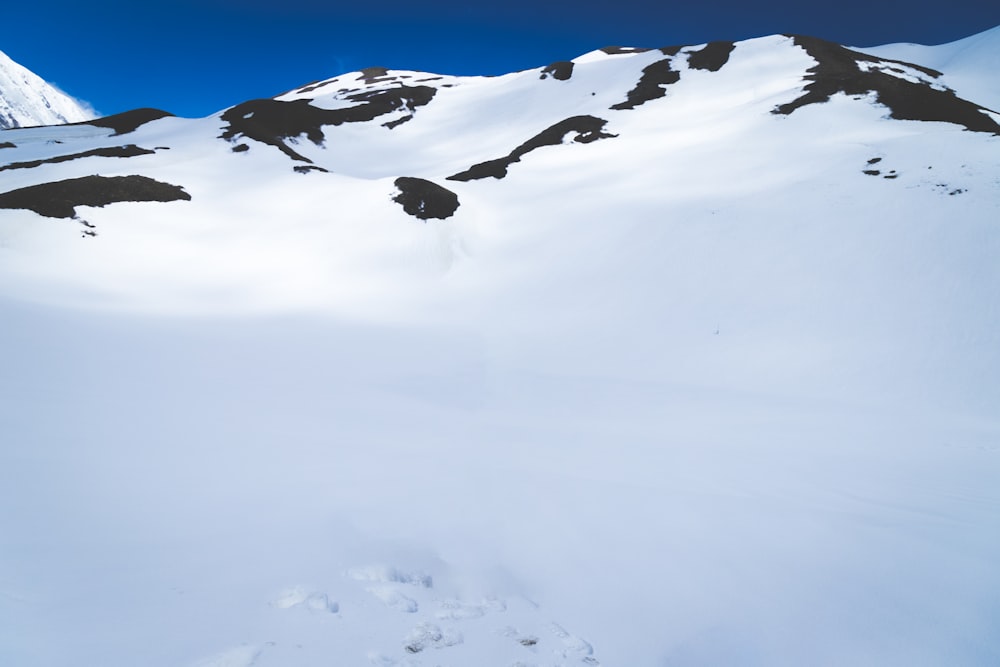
26, 99
681, 356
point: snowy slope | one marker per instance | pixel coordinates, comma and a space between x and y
26, 99
969, 65
683, 356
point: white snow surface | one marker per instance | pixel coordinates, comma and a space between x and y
27, 100
703, 393
969, 65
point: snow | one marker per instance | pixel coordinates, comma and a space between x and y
969, 65
26, 99
703, 393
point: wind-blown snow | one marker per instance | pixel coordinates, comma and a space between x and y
718, 389
26, 99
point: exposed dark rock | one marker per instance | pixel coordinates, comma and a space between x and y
59, 198
620, 50
131, 150
399, 121
837, 71
375, 75
872, 172
7, 144
380, 102
875, 160
650, 85
310, 87
424, 199
671, 50
587, 129
241, 148
560, 71
306, 168
271, 121
129, 121
712, 57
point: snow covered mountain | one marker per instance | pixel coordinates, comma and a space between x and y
26, 99
383, 145
676, 356
968, 66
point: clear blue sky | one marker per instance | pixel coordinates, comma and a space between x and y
195, 57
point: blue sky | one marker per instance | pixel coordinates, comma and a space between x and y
195, 57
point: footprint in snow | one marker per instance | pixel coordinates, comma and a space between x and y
541, 642
573, 647
393, 599
429, 635
457, 610
528, 641
297, 596
390, 575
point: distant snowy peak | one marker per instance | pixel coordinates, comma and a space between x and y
28, 100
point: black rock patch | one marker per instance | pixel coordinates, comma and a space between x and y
561, 71
310, 87
129, 121
712, 57
399, 121
306, 168
650, 85
271, 121
671, 50
375, 75
241, 148
587, 129
59, 198
7, 144
130, 150
425, 199
837, 71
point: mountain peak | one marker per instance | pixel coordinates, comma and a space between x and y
26, 99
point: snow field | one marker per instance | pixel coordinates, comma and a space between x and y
704, 393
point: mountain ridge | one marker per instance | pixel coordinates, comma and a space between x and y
301, 122
28, 100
